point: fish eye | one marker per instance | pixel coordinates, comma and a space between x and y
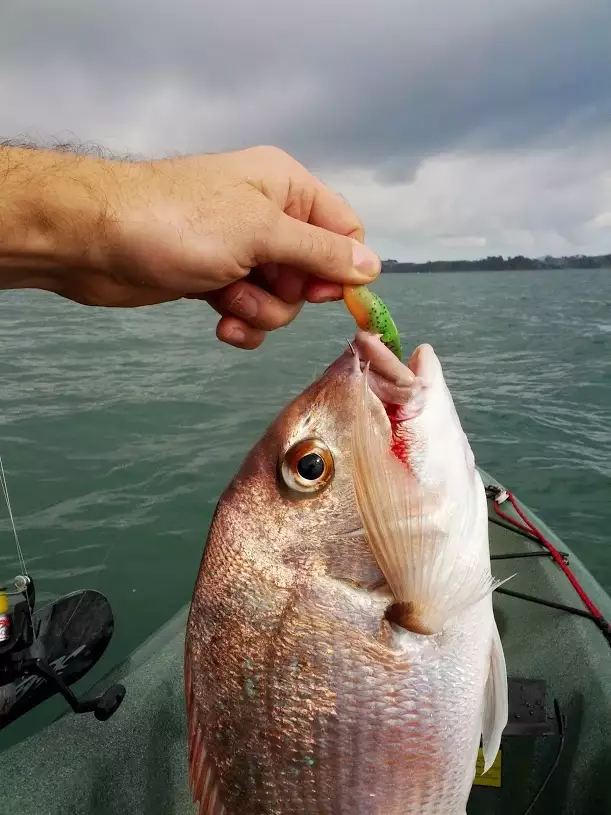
307, 466
311, 466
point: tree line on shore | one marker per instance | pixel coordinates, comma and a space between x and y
497, 263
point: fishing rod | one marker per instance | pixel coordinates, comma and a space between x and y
45, 651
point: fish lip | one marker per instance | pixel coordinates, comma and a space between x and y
386, 374
392, 382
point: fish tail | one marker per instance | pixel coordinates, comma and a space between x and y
418, 539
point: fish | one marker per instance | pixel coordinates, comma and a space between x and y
341, 652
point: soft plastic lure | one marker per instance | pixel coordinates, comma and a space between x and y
371, 315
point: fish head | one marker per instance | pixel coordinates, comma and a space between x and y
290, 509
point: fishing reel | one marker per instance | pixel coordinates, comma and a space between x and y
45, 651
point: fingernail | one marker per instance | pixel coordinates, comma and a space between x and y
236, 335
365, 261
244, 305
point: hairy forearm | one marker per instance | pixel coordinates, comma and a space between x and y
53, 207
127, 233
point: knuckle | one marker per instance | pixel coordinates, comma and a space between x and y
358, 230
282, 316
265, 220
327, 250
271, 151
293, 314
265, 228
232, 294
271, 156
228, 274
234, 299
308, 244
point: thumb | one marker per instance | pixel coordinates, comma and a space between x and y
319, 252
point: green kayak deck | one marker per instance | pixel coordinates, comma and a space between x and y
135, 763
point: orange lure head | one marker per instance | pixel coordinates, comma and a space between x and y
371, 314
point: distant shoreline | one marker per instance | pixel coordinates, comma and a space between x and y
497, 263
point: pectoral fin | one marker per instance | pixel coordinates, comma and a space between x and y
416, 538
496, 706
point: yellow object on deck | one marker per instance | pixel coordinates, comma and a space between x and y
493, 776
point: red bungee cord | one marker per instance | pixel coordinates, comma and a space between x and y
529, 527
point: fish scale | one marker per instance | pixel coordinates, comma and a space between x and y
379, 716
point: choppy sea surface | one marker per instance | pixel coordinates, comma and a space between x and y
120, 429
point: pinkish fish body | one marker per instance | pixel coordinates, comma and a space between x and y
341, 655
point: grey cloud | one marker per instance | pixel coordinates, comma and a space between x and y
532, 202
380, 88
370, 83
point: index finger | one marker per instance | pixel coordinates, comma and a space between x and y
330, 211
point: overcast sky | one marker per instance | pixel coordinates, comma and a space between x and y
456, 128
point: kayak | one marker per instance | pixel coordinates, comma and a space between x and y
554, 752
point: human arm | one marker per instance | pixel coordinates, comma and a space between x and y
229, 228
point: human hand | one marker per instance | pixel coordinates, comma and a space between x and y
251, 232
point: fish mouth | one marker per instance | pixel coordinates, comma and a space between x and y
402, 389
394, 383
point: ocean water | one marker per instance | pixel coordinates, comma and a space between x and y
120, 429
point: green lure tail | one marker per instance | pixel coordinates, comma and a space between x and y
371, 314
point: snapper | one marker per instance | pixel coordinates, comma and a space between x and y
341, 654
